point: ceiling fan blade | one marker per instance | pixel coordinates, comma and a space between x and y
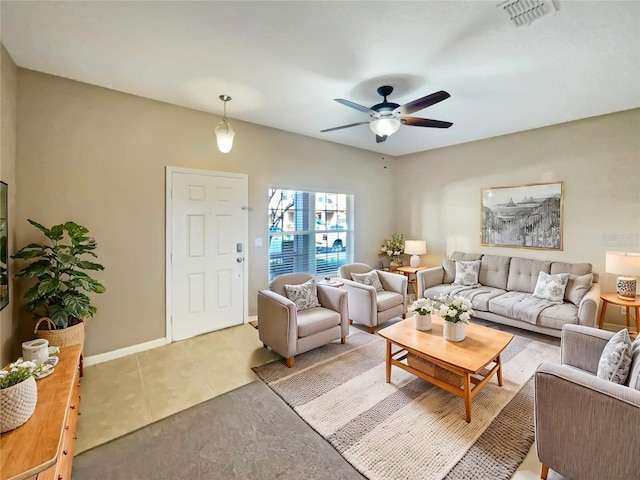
425, 122
380, 139
343, 126
356, 106
421, 103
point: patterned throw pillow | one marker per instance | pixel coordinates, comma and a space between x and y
369, 278
615, 360
551, 287
467, 272
305, 295
633, 380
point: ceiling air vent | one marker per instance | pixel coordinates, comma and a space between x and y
525, 12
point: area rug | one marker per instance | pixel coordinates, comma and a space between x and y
248, 433
409, 429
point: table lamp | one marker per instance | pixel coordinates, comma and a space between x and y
415, 248
627, 265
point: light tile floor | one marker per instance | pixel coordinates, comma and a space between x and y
128, 393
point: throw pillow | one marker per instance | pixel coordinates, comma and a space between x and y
551, 287
449, 267
577, 287
467, 272
633, 380
305, 295
615, 360
369, 278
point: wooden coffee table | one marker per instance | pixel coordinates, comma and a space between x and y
480, 349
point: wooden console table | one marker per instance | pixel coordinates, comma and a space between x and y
42, 448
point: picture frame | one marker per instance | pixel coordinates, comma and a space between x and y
4, 250
522, 216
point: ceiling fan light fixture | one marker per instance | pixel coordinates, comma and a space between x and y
385, 126
224, 132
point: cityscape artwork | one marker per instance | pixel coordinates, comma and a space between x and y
525, 216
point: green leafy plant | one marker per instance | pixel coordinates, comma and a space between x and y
59, 272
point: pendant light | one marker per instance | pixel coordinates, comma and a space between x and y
224, 132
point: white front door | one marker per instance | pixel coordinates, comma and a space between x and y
206, 247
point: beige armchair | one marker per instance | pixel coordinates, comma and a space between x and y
586, 427
371, 308
289, 332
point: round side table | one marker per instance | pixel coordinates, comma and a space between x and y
612, 298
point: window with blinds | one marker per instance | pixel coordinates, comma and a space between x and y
309, 232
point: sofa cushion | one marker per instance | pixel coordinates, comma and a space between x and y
494, 271
449, 267
481, 296
557, 316
577, 287
437, 291
386, 300
573, 268
523, 273
305, 295
633, 380
615, 360
467, 272
315, 320
369, 278
551, 287
465, 257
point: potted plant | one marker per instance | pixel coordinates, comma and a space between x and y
19, 393
456, 312
58, 296
393, 249
423, 308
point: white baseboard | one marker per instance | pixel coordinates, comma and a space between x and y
614, 327
253, 318
123, 352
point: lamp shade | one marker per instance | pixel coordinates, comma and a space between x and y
627, 265
623, 263
224, 135
415, 248
385, 126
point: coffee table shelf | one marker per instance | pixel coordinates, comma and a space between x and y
476, 359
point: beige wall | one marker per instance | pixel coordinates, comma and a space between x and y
598, 159
98, 157
8, 89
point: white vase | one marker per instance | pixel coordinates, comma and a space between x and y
423, 322
17, 404
454, 332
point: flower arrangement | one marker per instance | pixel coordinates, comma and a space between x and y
393, 248
423, 306
454, 309
20, 371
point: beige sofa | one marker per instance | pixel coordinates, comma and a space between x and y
506, 285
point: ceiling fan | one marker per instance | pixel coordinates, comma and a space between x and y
386, 117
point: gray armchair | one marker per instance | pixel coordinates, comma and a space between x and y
290, 332
371, 308
586, 427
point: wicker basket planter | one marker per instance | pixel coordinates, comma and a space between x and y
423, 322
61, 337
17, 404
453, 331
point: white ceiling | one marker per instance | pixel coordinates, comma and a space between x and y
284, 62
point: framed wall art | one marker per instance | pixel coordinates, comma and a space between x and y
523, 216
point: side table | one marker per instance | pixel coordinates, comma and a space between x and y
408, 272
614, 300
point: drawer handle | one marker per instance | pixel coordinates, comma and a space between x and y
73, 407
65, 452
66, 427
59, 477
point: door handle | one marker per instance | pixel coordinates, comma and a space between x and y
240, 259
